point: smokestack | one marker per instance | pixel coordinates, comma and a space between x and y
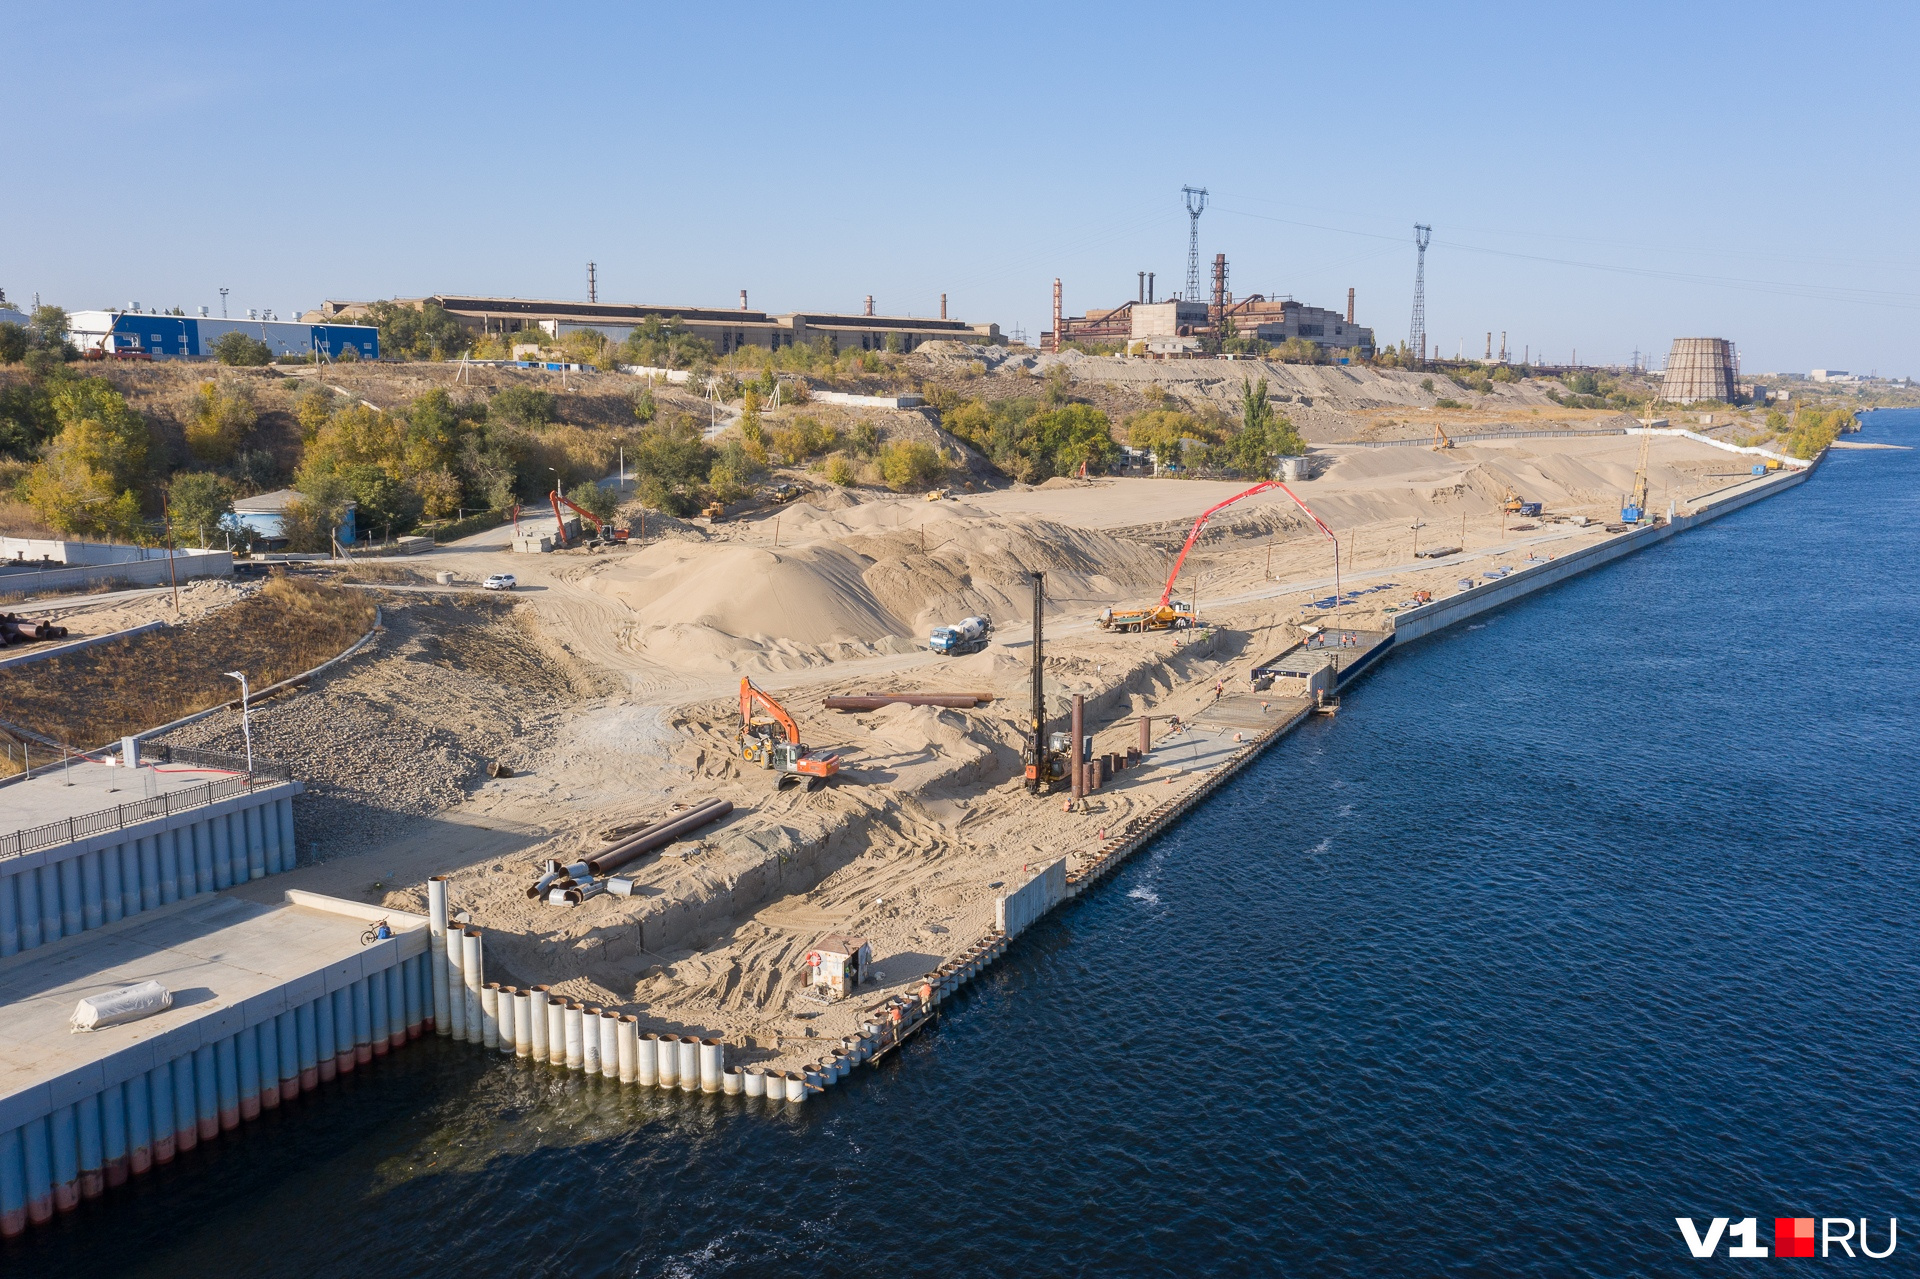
1489, 344
1141, 296
1056, 313
1149, 286
869, 304
943, 306
1219, 289
743, 299
1349, 306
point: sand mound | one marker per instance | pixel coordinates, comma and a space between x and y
811, 594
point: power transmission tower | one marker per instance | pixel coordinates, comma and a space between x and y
1196, 204
593, 283
1417, 335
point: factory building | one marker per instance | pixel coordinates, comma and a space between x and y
175, 337
728, 329
1188, 327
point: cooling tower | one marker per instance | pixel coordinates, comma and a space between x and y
1700, 369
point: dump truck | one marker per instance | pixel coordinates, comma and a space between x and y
968, 635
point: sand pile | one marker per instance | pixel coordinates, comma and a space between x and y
724, 605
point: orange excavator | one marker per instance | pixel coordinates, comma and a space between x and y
603, 532
777, 744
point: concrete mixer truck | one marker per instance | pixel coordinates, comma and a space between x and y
969, 635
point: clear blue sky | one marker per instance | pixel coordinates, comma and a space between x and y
1597, 177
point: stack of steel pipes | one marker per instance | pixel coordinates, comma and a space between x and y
571, 884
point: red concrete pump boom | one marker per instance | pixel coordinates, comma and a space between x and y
1200, 525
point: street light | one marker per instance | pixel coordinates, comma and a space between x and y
1415, 528
246, 724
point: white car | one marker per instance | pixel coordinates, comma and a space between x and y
499, 582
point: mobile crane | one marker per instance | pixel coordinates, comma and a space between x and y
603, 532
1178, 614
777, 744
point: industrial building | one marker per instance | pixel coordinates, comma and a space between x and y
1184, 326
728, 329
1701, 369
177, 337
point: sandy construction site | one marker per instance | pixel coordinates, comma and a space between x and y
607, 683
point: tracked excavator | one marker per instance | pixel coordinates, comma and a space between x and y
604, 533
1172, 614
775, 743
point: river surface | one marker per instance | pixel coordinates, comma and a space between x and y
1593, 914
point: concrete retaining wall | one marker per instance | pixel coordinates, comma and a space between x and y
69, 888
1440, 614
1027, 903
79, 1133
185, 564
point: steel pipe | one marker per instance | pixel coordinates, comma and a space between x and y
523, 1011
657, 835
669, 1047
609, 1044
649, 1067
473, 973
379, 1016
437, 944
589, 1041
876, 701
575, 1035
689, 1047
557, 1031
490, 1015
537, 1022
629, 1051
503, 1018
713, 1065
753, 1083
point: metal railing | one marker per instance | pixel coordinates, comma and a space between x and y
197, 757
135, 811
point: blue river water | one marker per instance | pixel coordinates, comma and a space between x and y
1594, 914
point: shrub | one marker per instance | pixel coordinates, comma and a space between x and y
840, 470
910, 464
237, 348
522, 406
222, 418
13, 343
1445, 403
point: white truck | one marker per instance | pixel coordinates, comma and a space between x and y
968, 635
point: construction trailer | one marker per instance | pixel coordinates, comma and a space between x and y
839, 963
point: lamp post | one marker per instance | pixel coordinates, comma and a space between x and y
246, 722
1415, 528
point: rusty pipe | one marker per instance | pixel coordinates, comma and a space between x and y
875, 701
658, 835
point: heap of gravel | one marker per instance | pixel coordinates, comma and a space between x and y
407, 727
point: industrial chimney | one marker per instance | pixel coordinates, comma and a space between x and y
1141, 296
869, 304
743, 299
1149, 286
943, 306
1349, 306
1056, 313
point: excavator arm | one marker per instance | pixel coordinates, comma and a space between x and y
749, 696
558, 500
1199, 526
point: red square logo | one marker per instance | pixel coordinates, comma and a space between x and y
1793, 1236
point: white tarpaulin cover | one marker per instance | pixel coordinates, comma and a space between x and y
129, 1003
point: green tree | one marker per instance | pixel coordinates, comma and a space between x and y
1064, 438
644, 408
672, 463
603, 502
14, 343
48, 328
87, 479
242, 349
198, 502
424, 332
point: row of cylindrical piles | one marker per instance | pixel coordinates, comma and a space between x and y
1089, 775
87, 1146
537, 1025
